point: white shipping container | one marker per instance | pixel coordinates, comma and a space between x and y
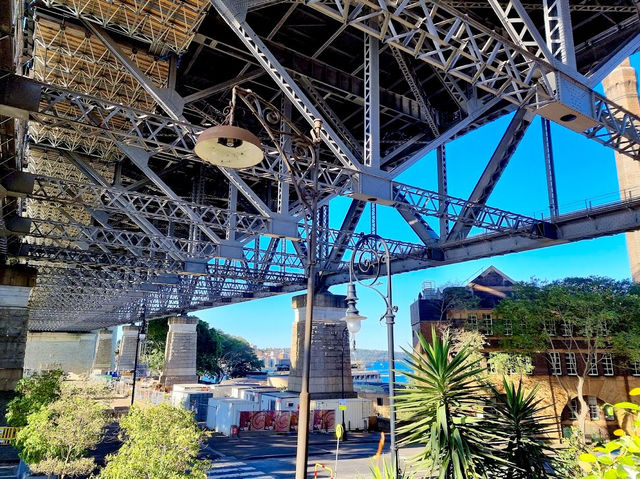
228, 413
356, 416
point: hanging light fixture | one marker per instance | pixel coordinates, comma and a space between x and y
353, 318
229, 146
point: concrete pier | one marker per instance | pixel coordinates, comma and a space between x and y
621, 86
103, 358
180, 352
127, 352
71, 352
329, 375
16, 283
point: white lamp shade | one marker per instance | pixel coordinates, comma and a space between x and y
229, 146
354, 321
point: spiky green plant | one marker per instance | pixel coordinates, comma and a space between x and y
443, 410
520, 417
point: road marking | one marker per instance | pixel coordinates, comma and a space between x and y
231, 468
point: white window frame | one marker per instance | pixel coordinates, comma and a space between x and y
574, 405
594, 410
508, 327
487, 324
472, 321
550, 328
592, 364
567, 329
635, 368
571, 364
607, 364
555, 364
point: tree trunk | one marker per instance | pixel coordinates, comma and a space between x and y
584, 409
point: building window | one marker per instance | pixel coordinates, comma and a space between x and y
567, 329
572, 366
607, 364
592, 360
472, 321
550, 328
573, 409
554, 364
635, 368
594, 410
379, 401
508, 327
487, 324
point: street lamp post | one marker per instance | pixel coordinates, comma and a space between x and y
142, 334
370, 253
345, 335
232, 147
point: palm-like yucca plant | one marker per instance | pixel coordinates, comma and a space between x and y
520, 417
443, 410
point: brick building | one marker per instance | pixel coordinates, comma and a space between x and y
555, 372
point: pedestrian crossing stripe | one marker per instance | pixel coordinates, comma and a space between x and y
233, 469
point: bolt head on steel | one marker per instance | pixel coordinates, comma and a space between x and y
229, 146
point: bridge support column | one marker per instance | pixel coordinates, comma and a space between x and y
128, 347
15, 286
621, 86
330, 372
103, 359
180, 352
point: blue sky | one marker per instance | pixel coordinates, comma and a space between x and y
585, 171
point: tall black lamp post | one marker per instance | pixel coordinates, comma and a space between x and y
370, 255
233, 147
142, 334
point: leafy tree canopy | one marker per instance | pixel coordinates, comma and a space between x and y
32, 393
600, 311
58, 436
160, 442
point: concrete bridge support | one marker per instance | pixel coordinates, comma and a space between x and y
128, 347
180, 352
621, 86
103, 359
71, 352
15, 286
330, 376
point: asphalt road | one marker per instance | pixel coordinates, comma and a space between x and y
272, 456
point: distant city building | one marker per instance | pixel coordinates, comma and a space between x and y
607, 382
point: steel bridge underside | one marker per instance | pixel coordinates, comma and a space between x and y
101, 105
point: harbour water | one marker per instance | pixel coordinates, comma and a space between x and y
383, 368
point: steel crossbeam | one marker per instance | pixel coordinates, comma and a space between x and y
441, 36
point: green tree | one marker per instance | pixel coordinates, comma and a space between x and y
219, 354
58, 436
32, 393
238, 357
620, 457
519, 416
442, 409
160, 442
584, 316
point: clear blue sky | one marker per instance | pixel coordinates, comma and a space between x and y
584, 169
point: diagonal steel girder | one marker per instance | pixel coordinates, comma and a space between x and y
284, 81
492, 173
441, 36
172, 104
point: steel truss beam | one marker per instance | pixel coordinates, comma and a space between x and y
441, 36
492, 173
284, 81
608, 219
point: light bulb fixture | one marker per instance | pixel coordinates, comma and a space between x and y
352, 317
229, 146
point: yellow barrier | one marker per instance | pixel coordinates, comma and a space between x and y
322, 467
7, 434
